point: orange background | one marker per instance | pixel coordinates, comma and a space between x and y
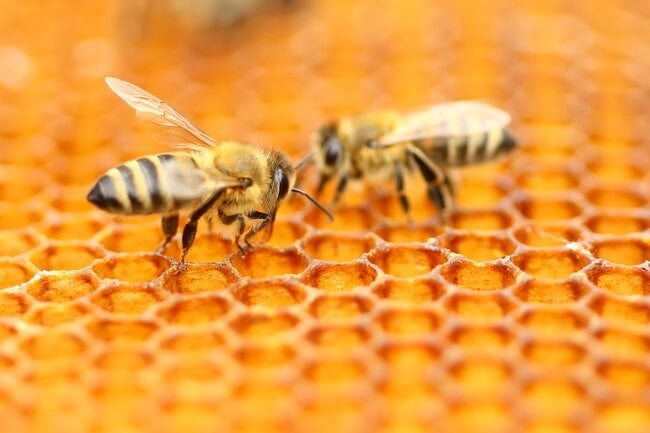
529, 313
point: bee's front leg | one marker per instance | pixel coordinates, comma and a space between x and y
267, 218
241, 226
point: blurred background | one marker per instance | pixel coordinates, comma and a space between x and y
529, 314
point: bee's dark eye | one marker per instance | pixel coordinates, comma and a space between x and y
332, 147
283, 183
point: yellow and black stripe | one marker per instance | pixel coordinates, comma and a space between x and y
138, 187
456, 151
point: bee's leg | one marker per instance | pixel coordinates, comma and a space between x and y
257, 216
322, 181
189, 231
438, 184
169, 227
403, 200
340, 188
210, 221
241, 225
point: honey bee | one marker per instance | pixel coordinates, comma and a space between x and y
233, 182
385, 145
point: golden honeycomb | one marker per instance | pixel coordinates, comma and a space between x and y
529, 312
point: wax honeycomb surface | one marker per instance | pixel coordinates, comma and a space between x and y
529, 312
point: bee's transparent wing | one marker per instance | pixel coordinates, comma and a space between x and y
171, 126
188, 183
452, 119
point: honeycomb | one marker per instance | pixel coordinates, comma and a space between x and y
529, 312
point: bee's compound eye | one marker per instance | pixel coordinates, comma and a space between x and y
283, 183
332, 148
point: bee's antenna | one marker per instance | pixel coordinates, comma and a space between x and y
315, 202
305, 162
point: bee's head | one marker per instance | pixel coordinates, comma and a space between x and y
330, 151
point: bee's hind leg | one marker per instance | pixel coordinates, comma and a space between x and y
438, 183
169, 225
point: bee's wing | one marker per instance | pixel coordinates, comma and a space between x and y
189, 183
452, 119
171, 125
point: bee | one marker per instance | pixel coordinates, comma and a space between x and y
385, 145
236, 183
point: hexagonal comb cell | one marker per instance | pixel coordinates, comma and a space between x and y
553, 397
131, 238
343, 338
479, 193
127, 298
413, 290
608, 197
624, 416
286, 233
199, 277
419, 232
479, 307
480, 376
347, 219
408, 322
547, 235
337, 248
551, 292
65, 255
553, 354
553, 321
53, 345
197, 310
19, 215
481, 220
121, 330
340, 277
622, 311
265, 356
265, 262
333, 373
549, 179
468, 275
488, 416
407, 261
625, 376
196, 342
607, 224
15, 242
263, 326
207, 247
270, 293
551, 264
478, 338
74, 227
624, 344
14, 272
340, 307
619, 280
13, 304
477, 246
546, 209
622, 251
133, 268
62, 286
52, 315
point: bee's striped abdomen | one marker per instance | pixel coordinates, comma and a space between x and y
463, 150
138, 187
